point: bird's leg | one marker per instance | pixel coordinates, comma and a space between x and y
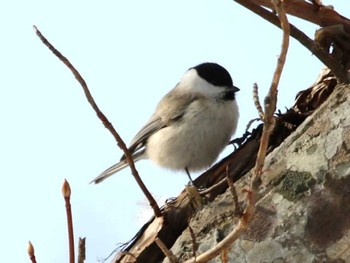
189, 175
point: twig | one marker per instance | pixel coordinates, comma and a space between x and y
81, 250
212, 188
104, 120
166, 251
194, 241
31, 253
311, 45
224, 256
271, 98
66, 191
257, 104
237, 208
268, 117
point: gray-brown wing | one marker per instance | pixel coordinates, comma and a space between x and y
152, 126
169, 110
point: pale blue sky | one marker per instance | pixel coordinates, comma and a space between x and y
130, 53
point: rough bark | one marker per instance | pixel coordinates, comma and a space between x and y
303, 212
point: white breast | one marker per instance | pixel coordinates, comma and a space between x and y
196, 143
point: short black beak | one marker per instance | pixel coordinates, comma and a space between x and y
235, 88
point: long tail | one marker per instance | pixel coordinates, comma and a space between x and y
117, 167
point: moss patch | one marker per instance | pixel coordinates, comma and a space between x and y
292, 185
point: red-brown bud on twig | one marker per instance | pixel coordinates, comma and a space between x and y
30, 249
66, 189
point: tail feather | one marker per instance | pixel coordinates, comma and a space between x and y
117, 167
110, 171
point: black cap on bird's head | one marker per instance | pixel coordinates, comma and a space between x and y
215, 74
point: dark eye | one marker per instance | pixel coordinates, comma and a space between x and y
229, 94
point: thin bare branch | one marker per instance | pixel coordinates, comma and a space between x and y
212, 188
271, 98
105, 122
282, 58
66, 191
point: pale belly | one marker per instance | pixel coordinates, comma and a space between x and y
197, 145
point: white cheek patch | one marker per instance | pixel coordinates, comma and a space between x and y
191, 82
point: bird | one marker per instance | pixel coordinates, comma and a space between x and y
191, 124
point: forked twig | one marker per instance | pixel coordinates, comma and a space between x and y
104, 120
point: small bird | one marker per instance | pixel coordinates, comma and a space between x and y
191, 125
